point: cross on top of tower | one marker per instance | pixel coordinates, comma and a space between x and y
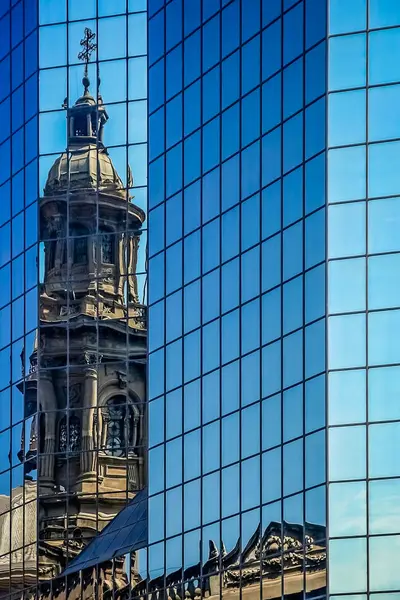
88, 45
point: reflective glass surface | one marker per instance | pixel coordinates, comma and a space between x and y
363, 301
73, 288
237, 292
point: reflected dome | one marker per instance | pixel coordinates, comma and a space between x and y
85, 168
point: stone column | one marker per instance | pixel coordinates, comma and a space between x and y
47, 399
88, 457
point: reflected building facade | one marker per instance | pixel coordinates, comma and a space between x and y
73, 299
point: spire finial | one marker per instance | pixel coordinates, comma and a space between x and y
88, 47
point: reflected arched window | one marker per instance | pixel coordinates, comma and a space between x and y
120, 426
79, 243
69, 434
107, 254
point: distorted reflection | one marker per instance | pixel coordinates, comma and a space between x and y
82, 444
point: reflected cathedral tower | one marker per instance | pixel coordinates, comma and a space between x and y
85, 392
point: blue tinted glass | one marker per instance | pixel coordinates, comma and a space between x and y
293, 34
347, 341
293, 358
156, 37
347, 390
383, 393
315, 128
211, 93
383, 330
211, 43
384, 113
211, 195
192, 106
192, 58
293, 196
347, 451
173, 76
250, 117
383, 13
383, 45
250, 222
292, 142
271, 156
346, 17
250, 170
230, 28
315, 22
270, 10
347, 289
384, 440
250, 274
271, 209
271, 50
347, 114
383, 225
347, 62
230, 131
293, 467
315, 239
251, 64
230, 285
346, 174
382, 289
230, 80
271, 103
173, 15
292, 88
211, 144
315, 183
271, 369
271, 315
383, 174
293, 305
292, 251
315, 293
315, 72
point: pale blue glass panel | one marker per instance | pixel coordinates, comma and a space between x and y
384, 225
346, 17
53, 46
384, 113
384, 394
346, 230
384, 555
347, 341
384, 47
347, 397
384, 13
383, 172
347, 113
347, 509
347, 453
383, 287
347, 565
384, 448
383, 337
347, 62
346, 287
346, 174
384, 506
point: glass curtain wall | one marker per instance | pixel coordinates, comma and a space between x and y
18, 286
73, 315
364, 301
237, 114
